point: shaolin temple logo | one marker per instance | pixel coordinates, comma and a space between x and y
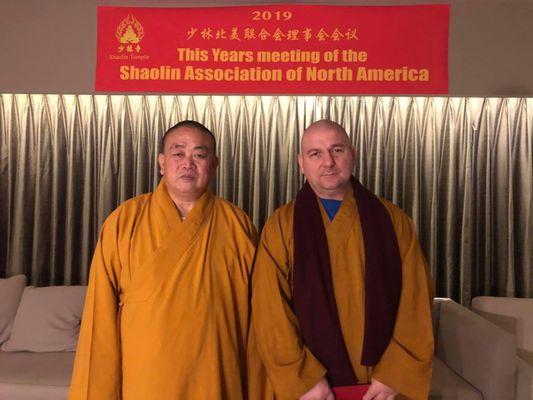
129, 34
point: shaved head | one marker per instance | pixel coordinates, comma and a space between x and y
325, 125
187, 161
190, 125
327, 159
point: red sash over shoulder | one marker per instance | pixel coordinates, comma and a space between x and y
314, 298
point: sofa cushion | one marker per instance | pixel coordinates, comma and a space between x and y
512, 314
479, 351
48, 319
11, 289
35, 376
447, 385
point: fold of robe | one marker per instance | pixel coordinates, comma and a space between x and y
167, 308
291, 368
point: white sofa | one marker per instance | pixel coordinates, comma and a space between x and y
514, 315
39, 330
35, 376
42, 326
474, 359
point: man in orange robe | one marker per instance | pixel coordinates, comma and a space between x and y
340, 290
167, 308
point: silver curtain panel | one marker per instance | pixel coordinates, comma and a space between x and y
462, 168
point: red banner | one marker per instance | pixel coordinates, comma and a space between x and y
275, 49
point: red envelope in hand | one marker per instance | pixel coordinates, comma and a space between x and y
355, 392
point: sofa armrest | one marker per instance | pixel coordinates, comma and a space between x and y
515, 315
479, 351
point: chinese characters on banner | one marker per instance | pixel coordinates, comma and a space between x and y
275, 49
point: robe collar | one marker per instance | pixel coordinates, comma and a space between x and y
178, 237
202, 208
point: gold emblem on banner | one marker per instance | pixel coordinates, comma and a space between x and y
129, 32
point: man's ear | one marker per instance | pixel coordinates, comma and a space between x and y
301, 163
213, 167
161, 160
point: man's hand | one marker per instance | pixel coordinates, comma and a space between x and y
321, 391
379, 391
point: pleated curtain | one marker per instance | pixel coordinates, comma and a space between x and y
462, 168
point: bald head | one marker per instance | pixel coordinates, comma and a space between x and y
322, 127
325, 125
327, 159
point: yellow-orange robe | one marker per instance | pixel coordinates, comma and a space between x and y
292, 370
167, 308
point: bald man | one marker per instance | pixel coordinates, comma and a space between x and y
340, 291
167, 308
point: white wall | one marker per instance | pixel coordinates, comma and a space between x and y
49, 46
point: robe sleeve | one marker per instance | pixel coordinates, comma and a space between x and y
96, 373
290, 366
407, 362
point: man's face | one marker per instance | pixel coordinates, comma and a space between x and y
327, 161
187, 163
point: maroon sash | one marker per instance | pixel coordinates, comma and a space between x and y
313, 294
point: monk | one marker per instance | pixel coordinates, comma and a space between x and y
167, 308
340, 290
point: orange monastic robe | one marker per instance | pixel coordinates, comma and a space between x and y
292, 369
167, 308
